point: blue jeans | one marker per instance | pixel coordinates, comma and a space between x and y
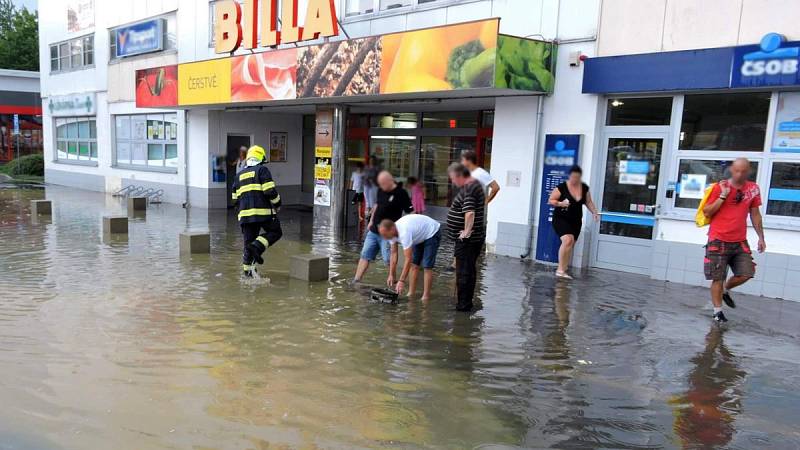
424, 254
373, 244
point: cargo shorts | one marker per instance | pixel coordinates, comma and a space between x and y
721, 255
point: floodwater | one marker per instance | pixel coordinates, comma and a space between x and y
120, 343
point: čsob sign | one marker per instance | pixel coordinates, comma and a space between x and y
142, 37
774, 62
237, 24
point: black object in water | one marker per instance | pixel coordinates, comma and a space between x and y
384, 295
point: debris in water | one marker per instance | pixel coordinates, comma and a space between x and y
584, 362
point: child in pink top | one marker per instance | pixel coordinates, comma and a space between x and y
417, 195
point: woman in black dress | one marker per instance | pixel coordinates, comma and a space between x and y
568, 199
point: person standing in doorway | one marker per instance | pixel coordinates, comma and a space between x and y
371, 185
392, 202
420, 237
470, 160
255, 194
728, 205
467, 227
357, 185
241, 162
568, 200
417, 195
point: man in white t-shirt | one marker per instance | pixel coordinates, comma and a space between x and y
357, 184
419, 236
470, 160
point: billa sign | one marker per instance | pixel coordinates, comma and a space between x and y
238, 25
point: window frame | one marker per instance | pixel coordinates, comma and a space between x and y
77, 140
87, 54
146, 167
415, 5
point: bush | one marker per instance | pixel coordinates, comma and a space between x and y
26, 165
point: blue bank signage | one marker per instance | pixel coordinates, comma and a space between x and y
561, 152
139, 38
774, 62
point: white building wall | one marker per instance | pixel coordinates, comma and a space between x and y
645, 26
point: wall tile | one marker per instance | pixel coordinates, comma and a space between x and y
675, 275
775, 275
774, 290
777, 260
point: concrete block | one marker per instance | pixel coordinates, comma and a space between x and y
309, 267
775, 275
776, 259
658, 273
41, 208
192, 242
115, 225
774, 290
137, 204
675, 275
676, 262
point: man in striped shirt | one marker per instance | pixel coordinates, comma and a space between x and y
467, 227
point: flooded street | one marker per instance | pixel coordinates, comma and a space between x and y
123, 344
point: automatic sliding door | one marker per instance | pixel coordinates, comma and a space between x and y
395, 154
436, 154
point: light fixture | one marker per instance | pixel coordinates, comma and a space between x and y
615, 103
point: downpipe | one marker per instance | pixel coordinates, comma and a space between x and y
186, 159
534, 177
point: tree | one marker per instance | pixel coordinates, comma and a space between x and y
19, 37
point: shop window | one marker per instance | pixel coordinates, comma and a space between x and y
76, 139
395, 120
652, 111
461, 119
735, 122
487, 119
436, 155
147, 141
169, 37
74, 54
784, 190
695, 175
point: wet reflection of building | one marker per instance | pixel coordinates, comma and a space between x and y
705, 413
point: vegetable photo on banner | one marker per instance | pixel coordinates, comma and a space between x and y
414, 62
524, 64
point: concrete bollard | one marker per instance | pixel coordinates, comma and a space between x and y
115, 225
309, 267
41, 208
137, 204
192, 242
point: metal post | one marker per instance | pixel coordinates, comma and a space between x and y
339, 178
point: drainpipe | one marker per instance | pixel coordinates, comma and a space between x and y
186, 158
534, 174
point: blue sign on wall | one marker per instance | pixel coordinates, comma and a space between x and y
142, 37
774, 62
561, 152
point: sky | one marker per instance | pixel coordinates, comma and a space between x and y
30, 4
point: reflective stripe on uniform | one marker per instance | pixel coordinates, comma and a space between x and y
268, 185
246, 175
254, 212
275, 200
253, 187
263, 241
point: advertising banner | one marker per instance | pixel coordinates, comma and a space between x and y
455, 57
561, 152
139, 38
157, 86
205, 82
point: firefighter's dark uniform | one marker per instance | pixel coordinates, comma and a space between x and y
258, 203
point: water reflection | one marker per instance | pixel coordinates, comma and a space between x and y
124, 344
705, 413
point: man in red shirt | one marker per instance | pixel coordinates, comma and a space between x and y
728, 206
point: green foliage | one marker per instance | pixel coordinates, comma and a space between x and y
19, 37
525, 64
26, 165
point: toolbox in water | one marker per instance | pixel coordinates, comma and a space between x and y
384, 295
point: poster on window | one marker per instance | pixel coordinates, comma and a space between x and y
322, 194
634, 172
786, 138
80, 15
278, 140
693, 185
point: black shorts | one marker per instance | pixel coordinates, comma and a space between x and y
564, 227
358, 197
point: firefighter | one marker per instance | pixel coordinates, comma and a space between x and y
258, 203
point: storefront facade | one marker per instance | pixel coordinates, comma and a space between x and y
656, 94
20, 114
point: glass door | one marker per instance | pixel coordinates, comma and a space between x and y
629, 202
395, 154
437, 153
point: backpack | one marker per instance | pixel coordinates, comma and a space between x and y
700, 219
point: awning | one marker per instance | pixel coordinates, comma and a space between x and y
455, 61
